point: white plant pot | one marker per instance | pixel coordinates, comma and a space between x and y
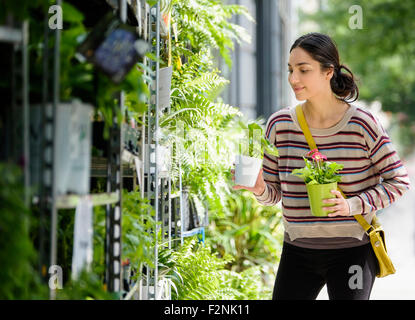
246, 170
162, 291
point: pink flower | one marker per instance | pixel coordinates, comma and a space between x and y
311, 152
317, 156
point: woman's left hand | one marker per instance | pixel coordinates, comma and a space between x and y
341, 208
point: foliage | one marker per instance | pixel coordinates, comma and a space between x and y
246, 285
201, 128
138, 237
138, 225
200, 123
21, 9
77, 78
205, 278
256, 149
248, 231
98, 261
208, 131
137, 245
87, 287
18, 277
205, 24
318, 171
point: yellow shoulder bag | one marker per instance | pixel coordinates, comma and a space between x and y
374, 229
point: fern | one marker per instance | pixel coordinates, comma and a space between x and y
203, 276
198, 268
205, 148
246, 230
205, 23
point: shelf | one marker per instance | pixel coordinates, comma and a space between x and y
12, 35
99, 199
99, 168
172, 196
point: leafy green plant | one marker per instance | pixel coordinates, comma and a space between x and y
204, 277
204, 144
18, 277
246, 285
98, 261
138, 227
199, 271
167, 267
78, 78
251, 233
206, 24
318, 171
88, 286
256, 148
75, 77
200, 129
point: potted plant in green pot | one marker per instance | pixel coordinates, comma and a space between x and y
320, 177
249, 160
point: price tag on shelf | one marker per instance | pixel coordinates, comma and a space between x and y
83, 237
138, 166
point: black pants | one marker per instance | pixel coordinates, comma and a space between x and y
348, 273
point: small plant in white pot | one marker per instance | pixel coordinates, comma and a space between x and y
249, 160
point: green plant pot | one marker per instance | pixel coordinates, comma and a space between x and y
316, 194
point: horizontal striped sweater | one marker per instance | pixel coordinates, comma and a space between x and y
373, 176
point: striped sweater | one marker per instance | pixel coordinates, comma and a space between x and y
373, 176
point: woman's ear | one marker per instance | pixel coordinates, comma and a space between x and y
329, 73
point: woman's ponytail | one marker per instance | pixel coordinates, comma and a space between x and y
343, 84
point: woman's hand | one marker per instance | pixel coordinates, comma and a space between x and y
341, 208
259, 187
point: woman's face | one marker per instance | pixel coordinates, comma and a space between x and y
305, 75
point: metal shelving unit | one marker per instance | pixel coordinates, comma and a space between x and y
50, 203
168, 207
151, 179
156, 185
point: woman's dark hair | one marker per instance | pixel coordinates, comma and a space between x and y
323, 49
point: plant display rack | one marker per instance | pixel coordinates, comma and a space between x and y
118, 165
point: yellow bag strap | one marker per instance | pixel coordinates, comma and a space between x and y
304, 127
311, 143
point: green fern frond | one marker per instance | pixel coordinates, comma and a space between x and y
206, 24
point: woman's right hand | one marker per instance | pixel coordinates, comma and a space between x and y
259, 187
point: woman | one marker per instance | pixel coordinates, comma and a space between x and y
333, 250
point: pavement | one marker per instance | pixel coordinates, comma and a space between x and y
398, 221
